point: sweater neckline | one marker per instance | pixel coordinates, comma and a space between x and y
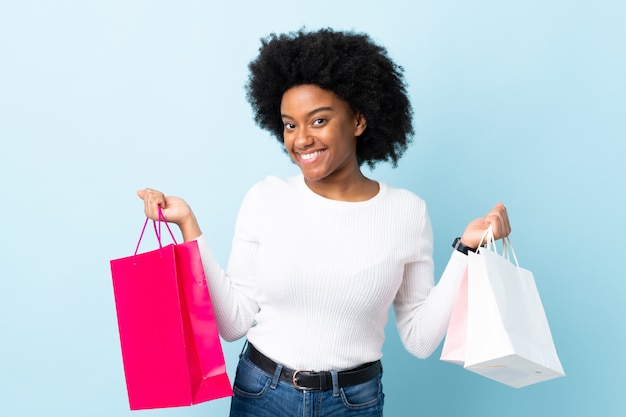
318, 199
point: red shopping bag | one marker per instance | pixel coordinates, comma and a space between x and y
170, 345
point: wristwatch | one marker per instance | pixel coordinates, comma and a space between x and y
461, 247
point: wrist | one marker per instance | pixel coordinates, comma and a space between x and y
458, 245
189, 228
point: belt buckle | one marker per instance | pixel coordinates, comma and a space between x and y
294, 381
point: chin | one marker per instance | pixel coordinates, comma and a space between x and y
313, 177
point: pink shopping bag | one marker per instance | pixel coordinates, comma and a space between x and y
454, 345
171, 350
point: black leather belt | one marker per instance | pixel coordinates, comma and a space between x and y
309, 380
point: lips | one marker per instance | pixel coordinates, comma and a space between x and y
310, 157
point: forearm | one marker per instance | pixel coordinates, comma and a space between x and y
232, 297
423, 314
189, 228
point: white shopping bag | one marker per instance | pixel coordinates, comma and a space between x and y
507, 337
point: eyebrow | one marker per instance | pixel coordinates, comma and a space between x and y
311, 113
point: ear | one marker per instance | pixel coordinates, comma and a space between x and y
361, 124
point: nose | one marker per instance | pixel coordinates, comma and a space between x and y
304, 139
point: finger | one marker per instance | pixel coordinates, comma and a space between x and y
146, 203
504, 220
152, 200
499, 220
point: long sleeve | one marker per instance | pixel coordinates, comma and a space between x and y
422, 310
234, 292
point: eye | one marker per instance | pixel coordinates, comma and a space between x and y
289, 126
318, 122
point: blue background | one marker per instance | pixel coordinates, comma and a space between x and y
520, 102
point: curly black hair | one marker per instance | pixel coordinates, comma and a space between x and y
348, 64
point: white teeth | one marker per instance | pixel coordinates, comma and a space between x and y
309, 156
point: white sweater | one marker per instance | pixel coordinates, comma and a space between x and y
310, 280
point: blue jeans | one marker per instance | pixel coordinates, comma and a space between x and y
258, 394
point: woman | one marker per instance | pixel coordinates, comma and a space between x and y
318, 259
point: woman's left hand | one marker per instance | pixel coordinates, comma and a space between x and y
497, 218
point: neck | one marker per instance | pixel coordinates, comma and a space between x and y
357, 188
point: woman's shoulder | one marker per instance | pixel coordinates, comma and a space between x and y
403, 196
275, 183
273, 187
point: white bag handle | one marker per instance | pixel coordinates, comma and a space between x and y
488, 240
507, 247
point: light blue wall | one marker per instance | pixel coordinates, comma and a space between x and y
521, 102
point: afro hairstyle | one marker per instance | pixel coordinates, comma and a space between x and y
348, 64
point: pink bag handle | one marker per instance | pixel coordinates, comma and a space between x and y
156, 231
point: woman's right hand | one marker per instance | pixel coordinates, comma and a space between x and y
175, 210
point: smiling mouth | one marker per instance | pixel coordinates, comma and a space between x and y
311, 156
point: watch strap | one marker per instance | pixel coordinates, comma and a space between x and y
458, 245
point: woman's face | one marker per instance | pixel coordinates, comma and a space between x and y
320, 131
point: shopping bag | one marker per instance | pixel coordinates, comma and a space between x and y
507, 335
169, 340
454, 345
